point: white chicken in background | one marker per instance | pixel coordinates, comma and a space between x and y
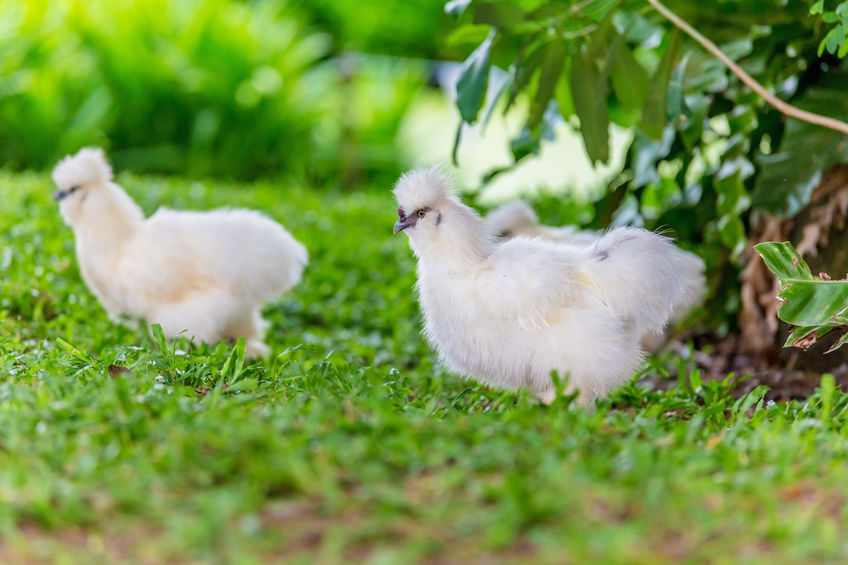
204, 275
511, 313
517, 218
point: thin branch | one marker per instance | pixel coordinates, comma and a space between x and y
780, 105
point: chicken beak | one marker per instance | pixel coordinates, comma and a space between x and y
400, 225
59, 194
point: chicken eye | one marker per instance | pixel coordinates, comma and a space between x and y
74, 188
421, 214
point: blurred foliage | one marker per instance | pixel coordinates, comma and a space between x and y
369, 96
708, 154
210, 87
409, 28
814, 305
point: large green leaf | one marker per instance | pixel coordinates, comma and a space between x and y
782, 260
589, 94
473, 76
562, 93
654, 112
805, 300
629, 79
551, 68
526, 63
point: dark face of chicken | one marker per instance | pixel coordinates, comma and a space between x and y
406, 221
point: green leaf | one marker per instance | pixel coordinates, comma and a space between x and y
659, 197
732, 233
629, 79
589, 93
838, 343
676, 108
500, 82
498, 14
782, 260
523, 69
523, 145
805, 300
159, 337
602, 39
562, 94
809, 303
473, 76
236, 360
551, 69
467, 34
733, 199
644, 154
654, 115
84, 357
800, 333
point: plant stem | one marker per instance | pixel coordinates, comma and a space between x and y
783, 107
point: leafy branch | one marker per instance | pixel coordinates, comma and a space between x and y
835, 41
783, 107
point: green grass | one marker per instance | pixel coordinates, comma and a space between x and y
351, 444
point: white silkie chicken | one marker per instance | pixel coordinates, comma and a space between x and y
517, 218
204, 275
510, 313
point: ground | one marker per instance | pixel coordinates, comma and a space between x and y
350, 444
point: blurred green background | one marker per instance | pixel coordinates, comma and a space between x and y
225, 88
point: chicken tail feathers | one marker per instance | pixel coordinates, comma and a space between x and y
644, 277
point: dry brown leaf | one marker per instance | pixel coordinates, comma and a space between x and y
116, 371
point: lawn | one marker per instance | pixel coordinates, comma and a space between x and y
351, 444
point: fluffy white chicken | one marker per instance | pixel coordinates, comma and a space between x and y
201, 274
510, 313
516, 218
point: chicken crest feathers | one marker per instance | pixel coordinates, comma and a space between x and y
423, 187
89, 165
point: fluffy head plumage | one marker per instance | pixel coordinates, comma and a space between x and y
88, 166
422, 188
512, 216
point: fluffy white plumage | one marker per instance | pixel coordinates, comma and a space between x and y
517, 218
509, 313
201, 274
